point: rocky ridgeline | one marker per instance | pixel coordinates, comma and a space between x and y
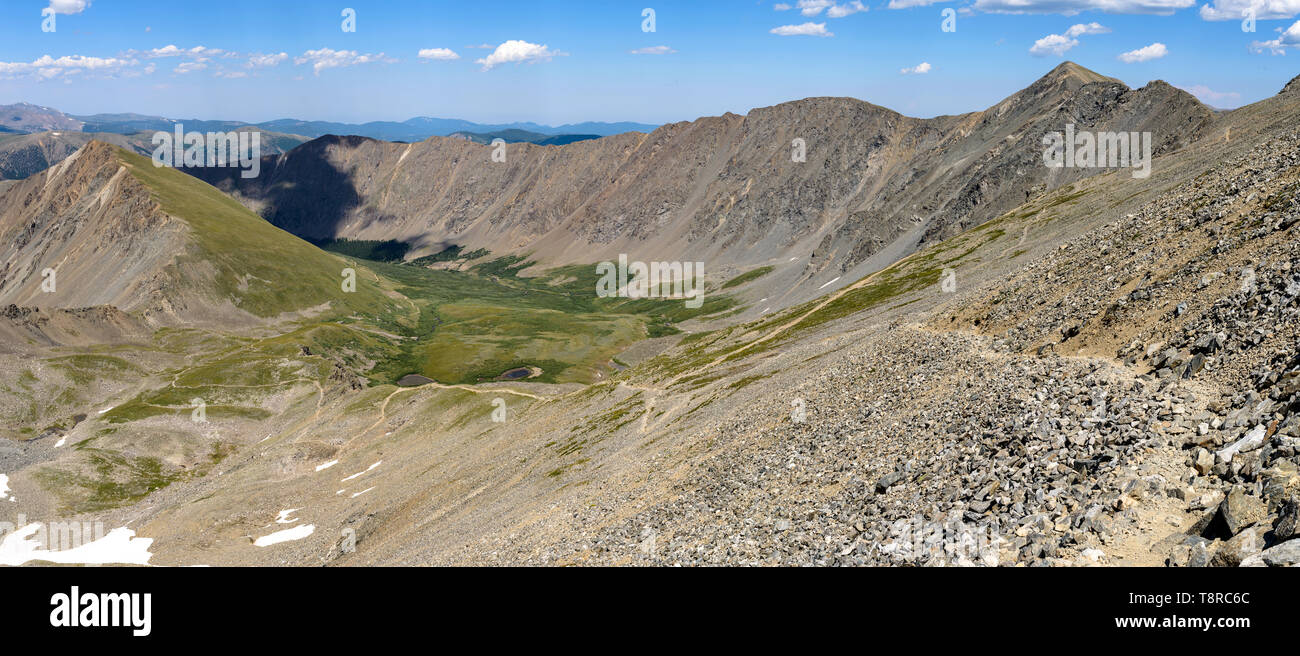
1136, 400
1205, 284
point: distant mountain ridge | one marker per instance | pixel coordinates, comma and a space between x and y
23, 154
25, 117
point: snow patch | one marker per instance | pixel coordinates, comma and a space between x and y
119, 547
362, 472
326, 465
287, 535
285, 516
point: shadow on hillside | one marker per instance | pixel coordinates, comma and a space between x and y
301, 192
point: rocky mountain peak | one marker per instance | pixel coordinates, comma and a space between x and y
1293, 85
1072, 72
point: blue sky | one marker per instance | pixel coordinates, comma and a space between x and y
559, 62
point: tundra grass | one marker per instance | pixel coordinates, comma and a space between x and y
259, 267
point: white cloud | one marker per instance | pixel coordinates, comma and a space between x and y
328, 58
1072, 7
69, 7
1208, 95
1225, 10
189, 67
847, 9
230, 75
1088, 28
653, 50
165, 51
1059, 44
833, 10
1052, 44
515, 51
806, 29
266, 61
1290, 38
444, 54
173, 51
47, 67
813, 7
1153, 51
920, 69
907, 4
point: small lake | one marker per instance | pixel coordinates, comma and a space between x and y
413, 380
516, 374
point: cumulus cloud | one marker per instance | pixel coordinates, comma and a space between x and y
848, 9
1289, 38
326, 58
653, 50
1059, 44
1052, 44
907, 4
920, 69
69, 7
266, 61
173, 51
444, 54
1153, 51
1224, 10
47, 67
189, 67
1072, 7
806, 29
813, 7
516, 52
1087, 28
230, 75
832, 9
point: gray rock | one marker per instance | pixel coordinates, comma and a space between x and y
1235, 551
1199, 556
1240, 510
1286, 554
1204, 462
888, 481
1288, 521
1252, 440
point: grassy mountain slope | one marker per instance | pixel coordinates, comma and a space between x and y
264, 270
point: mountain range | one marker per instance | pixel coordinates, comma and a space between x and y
33, 138
25, 117
908, 325
875, 184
